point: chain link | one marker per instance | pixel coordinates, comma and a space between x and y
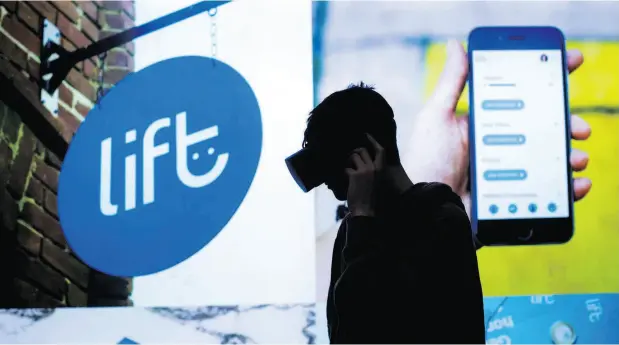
101, 81
213, 13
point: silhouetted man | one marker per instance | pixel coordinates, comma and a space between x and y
404, 267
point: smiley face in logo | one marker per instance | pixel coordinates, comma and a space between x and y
160, 166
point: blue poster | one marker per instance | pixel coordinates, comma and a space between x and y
160, 166
558, 319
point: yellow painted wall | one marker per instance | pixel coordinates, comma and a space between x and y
589, 263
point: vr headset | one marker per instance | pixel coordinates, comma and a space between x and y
309, 168
305, 168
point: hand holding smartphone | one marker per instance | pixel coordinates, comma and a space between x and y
521, 185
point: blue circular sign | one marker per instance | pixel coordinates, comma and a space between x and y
158, 169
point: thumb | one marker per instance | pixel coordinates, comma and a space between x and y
463, 126
452, 80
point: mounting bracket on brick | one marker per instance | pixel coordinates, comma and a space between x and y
57, 62
51, 36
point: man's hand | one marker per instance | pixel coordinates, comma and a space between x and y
362, 179
438, 149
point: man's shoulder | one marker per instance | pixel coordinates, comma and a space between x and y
433, 195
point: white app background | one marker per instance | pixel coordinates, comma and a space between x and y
521, 154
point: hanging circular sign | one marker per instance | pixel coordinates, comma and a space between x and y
160, 166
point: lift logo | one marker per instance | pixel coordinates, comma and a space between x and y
150, 151
160, 166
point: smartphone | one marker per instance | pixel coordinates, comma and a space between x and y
521, 186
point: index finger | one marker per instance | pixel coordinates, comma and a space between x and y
377, 147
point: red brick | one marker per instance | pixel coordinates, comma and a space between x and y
45, 9
89, 8
52, 159
40, 148
20, 169
11, 124
120, 58
51, 204
90, 29
90, 70
130, 9
29, 16
130, 47
11, 6
76, 297
125, 5
36, 191
22, 34
67, 135
65, 263
66, 44
69, 121
82, 109
113, 76
28, 239
6, 154
39, 273
68, 8
79, 82
13, 52
44, 223
47, 175
33, 68
71, 32
117, 21
65, 94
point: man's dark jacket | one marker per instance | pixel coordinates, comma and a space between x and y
408, 275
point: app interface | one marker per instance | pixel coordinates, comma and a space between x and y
520, 140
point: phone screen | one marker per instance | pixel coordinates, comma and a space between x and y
520, 134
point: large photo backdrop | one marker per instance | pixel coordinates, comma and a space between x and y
399, 47
264, 277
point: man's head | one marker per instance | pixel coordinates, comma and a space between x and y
339, 124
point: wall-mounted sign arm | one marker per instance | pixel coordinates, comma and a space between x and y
56, 62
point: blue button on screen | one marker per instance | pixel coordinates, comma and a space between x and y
505, 175
504, 139
512, 208
494, 209
502, 104
552, 207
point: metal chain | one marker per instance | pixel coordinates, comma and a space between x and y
102, 58
213, 13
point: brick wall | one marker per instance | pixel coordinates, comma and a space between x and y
37, 267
